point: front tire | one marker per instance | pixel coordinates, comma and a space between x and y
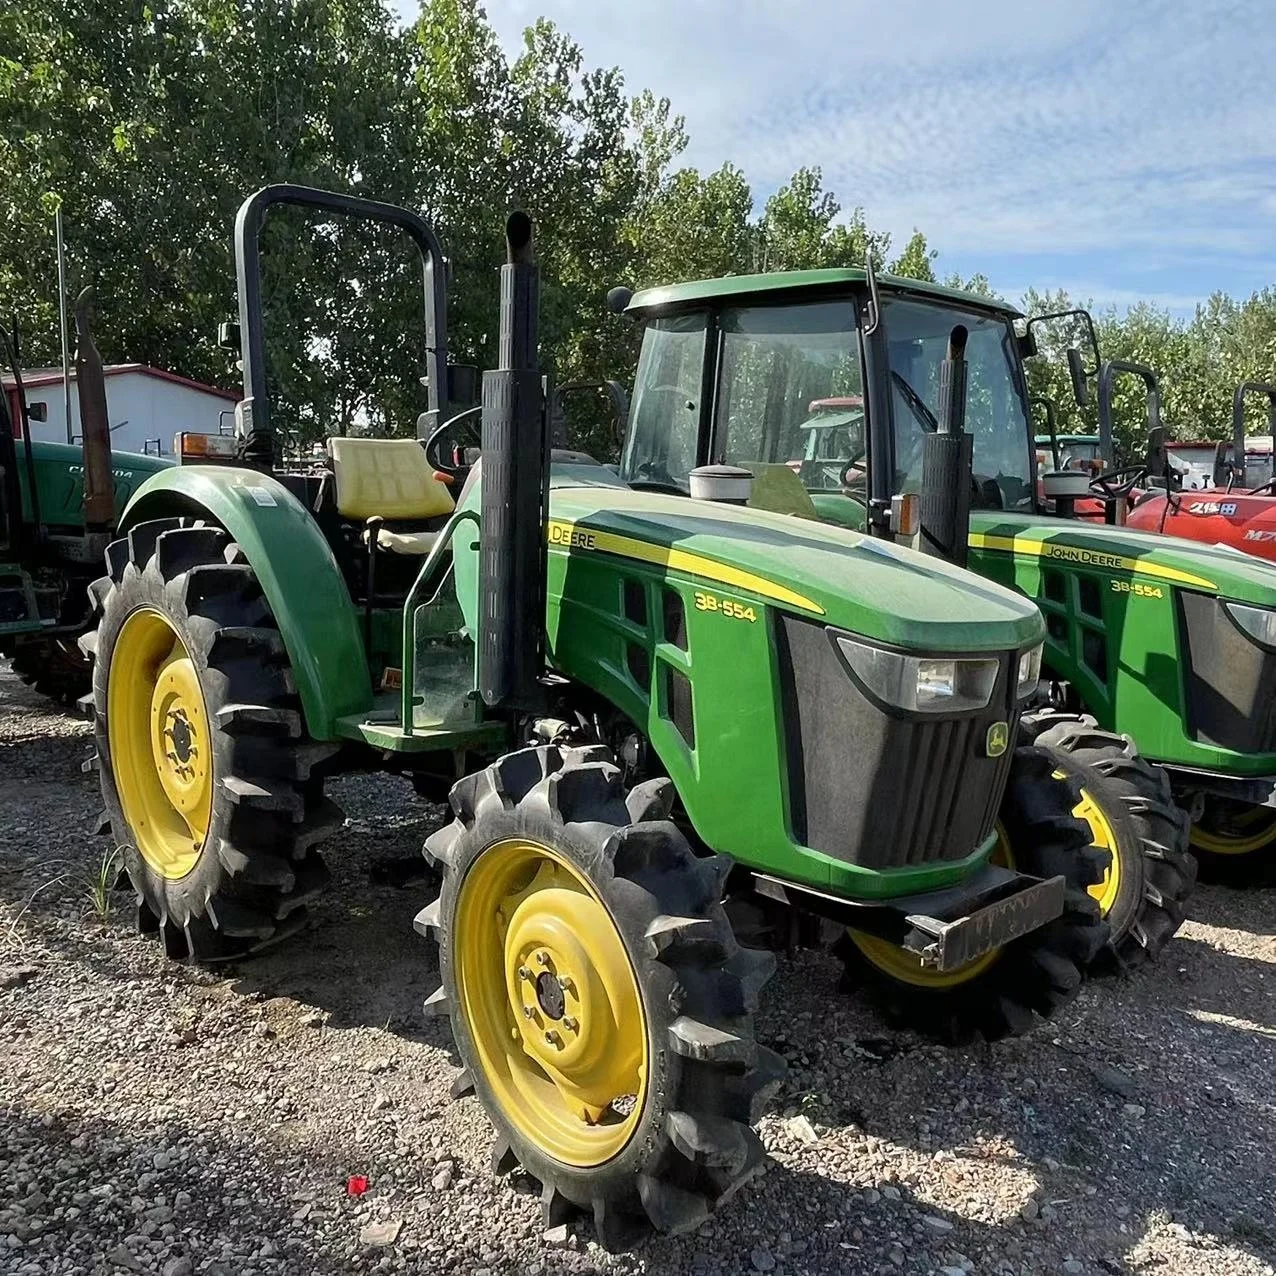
599, 1003
208, 776
1130, 808
1235, 843
998, 994
53, 667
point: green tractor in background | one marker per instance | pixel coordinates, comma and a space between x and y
661, 720
58, 505
774, 346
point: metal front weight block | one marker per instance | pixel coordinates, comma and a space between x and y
945, 928
949, 945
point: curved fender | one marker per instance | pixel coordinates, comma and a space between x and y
297, 571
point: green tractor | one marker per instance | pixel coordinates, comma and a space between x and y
771, 344
662, 722
57, 515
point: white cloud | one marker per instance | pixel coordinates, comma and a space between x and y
1142, 132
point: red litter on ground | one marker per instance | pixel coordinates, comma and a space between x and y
356, 1185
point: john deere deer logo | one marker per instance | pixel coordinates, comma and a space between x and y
997, 739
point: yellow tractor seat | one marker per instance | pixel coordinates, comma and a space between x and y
403, 542
389, 479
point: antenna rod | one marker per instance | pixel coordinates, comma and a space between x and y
66, 355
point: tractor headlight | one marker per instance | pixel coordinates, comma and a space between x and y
1258, 622
1029, 672
922, 684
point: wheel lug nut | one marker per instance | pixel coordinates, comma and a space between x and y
553, 1039
524, 973
570, 1023
528, 1012
542, 958
566, 983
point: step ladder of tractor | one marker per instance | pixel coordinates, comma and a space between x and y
382, 729
19, 610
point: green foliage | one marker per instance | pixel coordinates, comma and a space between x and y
148, 123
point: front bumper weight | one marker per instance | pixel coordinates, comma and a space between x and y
947, 928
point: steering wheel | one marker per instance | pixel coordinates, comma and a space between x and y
853, 469
455, 463
1114, 485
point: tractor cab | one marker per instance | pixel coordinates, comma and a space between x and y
833, 378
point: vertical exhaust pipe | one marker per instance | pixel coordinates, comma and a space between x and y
95, 429
946, 462
515, 483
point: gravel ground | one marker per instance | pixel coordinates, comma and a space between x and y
155, 1118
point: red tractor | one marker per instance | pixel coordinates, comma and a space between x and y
1228, 513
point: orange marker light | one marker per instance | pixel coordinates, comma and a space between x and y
906, 513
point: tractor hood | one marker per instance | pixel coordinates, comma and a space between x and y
1170, 560
832, 574
59, 476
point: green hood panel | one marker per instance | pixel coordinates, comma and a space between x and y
1164, 559
59, 476
839, 576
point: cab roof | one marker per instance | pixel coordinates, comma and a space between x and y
741, 288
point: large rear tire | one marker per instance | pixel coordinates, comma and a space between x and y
600, 1005
1130, 808
998, 994
208, 776
53, 667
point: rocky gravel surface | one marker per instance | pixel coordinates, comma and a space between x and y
161, 1119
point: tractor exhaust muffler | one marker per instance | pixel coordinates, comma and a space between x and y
515, 481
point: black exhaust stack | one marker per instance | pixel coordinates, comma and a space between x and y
515, 482
946, 462
95, 429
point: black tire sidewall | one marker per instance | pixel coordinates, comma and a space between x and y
173, 900
631, 909
1132, 882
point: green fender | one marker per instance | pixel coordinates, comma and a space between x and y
297, 572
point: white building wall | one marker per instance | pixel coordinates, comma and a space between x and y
140, 409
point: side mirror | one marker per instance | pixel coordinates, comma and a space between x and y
1076, 370
462, 383
228, 335
620, 405
1158, 460
616, 394
1222, 463
618, 298
37, 411
1027, 343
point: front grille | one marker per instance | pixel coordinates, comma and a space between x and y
1229, 679
876, 789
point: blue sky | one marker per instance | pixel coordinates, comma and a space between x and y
1124, 151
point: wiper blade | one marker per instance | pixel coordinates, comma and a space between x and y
916, 404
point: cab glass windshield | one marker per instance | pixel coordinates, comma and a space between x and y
917, 334
664, 416
791, 392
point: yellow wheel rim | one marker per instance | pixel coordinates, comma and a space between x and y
1104, 837
907, 968
161, 754
1255, 829
551, 1000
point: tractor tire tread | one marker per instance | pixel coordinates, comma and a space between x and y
699, 987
